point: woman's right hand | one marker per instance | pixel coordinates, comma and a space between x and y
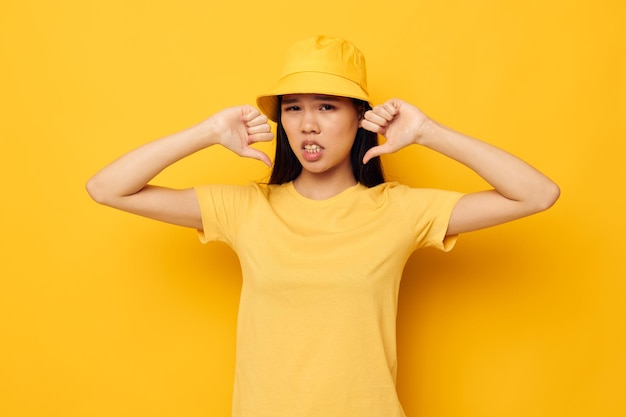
123, 183
236, 128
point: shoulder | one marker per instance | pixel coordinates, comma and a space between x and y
233, 189
396, 189
230, 194
414, 197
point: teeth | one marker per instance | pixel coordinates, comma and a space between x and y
312, 148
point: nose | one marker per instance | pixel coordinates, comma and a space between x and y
308, 122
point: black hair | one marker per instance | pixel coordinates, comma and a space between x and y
287, 167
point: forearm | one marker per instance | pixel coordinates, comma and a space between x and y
508, 175
131, 172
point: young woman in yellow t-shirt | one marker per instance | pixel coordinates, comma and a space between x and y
316, 329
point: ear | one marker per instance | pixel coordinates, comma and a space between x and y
361, 108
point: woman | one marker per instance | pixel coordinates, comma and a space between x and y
323, 246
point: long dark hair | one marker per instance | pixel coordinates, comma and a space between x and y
287, 167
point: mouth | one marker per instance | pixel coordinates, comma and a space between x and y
313, 148
311, 151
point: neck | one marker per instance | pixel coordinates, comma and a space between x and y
322, 186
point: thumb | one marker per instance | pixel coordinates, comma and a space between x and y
257, 154
373, 153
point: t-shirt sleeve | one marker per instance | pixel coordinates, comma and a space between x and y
222, 208
428, 212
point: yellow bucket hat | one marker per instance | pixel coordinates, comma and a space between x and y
318, 65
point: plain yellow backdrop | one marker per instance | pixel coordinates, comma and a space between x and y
106, 314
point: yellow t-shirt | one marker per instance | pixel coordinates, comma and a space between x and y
316, 332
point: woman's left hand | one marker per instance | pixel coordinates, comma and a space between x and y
399, 122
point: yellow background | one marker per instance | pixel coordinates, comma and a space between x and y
106, 314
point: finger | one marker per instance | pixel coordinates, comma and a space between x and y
259, 119
262, 128
260, 137
375, 118
385, 111
249, 113
392, 107
373, 127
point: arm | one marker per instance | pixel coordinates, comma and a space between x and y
123, 184
519, 189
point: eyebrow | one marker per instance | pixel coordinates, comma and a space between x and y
320, 97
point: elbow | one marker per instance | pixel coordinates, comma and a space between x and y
547, 196
96, 191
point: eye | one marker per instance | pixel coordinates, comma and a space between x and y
291, 108
327, 107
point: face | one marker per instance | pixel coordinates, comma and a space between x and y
321, 130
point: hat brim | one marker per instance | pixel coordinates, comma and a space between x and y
308, 83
